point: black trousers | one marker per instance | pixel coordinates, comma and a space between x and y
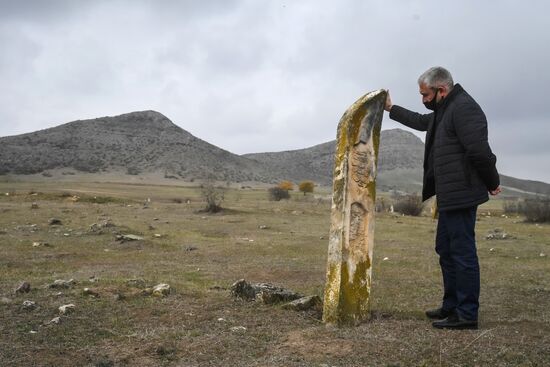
456, 246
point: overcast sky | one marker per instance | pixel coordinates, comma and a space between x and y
259, 75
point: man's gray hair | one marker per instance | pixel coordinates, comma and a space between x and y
436, 77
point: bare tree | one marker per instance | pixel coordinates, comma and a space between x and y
213, 196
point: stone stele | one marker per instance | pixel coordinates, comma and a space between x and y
348, 284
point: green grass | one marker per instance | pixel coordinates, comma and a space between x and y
183, 328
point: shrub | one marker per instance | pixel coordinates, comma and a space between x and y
277, 194
409, 205
213, 196
380, 205
510, 207
306, 186
132, 170
535, 210
286, 185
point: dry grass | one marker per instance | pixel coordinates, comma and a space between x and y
183, 328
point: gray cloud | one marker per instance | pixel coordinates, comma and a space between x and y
254, 76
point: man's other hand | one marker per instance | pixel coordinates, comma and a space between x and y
496, 191
388, 105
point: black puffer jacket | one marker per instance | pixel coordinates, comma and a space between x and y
459, 166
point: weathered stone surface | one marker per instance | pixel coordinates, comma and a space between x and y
128, 237
304, 304
97, 227
347, 290
54, 321
40, 244
24, 287
242, 289
29, 305
66, 309
270, 294
54, 222
90, 292
60, 283
161, 290
264, 292
498, 234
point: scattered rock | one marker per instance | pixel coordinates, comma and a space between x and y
97, 227
54, 321
221, 319
238, 329
24, 287
158, 235
54, 222
385, 259
93, 279
242, 289
67, 309
265, 292
90, 292
263, 227
136, 283
60, 283
498, 234
304, 304
40, 244
270, 295
161, 290
542, 254
34, 206
29, 305
128, 237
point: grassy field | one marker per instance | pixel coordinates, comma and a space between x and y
201, 255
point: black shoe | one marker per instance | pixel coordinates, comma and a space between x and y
455, 322
438, 313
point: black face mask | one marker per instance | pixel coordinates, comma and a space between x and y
432, 105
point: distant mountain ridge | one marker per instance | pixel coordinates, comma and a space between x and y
143, 142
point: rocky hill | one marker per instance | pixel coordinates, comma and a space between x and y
145, 142
399, 150
132, 143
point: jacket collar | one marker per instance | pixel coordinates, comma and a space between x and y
457, 89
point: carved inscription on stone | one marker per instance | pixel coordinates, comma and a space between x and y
360, 167
357, 224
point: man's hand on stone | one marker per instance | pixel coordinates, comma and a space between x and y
388, 105
496, 191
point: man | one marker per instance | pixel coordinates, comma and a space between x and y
459, 168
